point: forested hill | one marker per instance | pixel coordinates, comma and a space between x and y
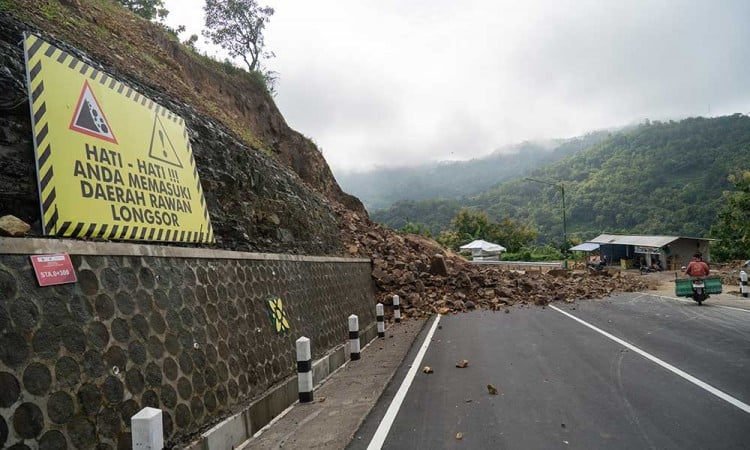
382, 187
657, 178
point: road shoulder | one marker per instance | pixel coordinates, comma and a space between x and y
344, 399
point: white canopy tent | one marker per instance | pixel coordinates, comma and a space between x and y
482, 250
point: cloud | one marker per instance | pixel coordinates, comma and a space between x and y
379, 83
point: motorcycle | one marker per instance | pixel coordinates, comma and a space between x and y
699, 290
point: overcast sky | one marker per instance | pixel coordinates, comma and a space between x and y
394, 83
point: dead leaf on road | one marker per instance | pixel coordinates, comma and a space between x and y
463, 363
427, 369
492, 389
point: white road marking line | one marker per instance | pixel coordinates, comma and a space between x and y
722, 395
378, 439
692, 301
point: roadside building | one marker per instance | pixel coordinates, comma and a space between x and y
668, 252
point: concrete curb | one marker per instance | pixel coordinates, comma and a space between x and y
31, 246
240, 427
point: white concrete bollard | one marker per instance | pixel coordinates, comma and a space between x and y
743, 283
147, 429
354, 337
396, 308
304, 370
381, 319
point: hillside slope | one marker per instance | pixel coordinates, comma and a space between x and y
658, 178
267, 187
383, 187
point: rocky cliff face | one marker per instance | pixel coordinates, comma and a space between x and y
267, 187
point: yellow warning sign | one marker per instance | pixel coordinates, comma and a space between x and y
111, 163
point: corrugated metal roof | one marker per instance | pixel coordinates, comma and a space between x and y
642, 241
585, 247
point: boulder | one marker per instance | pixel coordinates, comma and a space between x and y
13, 226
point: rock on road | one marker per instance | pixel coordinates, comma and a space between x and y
564, 385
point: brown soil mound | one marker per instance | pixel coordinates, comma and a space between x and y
429, 279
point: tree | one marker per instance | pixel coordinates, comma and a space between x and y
733, 226
470, 225
148, 9
237, 26
511, 234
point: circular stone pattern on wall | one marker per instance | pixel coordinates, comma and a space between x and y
9, 389
28, 421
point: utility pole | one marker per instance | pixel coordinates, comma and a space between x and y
560, 186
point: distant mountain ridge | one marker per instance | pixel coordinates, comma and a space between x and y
382, 187
656, 178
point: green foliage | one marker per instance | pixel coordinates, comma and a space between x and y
435, 214
733, 226
416, 228
468, 226
449, 239
382, 188
237, 26
657, 178
190, 42
544, 253
148, 9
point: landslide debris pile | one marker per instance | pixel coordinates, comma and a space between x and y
430, 280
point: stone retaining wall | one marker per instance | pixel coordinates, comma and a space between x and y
187, 331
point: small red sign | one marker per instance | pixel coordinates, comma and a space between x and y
53, 269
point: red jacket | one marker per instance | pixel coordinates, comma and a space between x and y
697, 269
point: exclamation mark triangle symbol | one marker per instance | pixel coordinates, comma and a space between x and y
161, 146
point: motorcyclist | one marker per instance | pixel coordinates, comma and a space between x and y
697, 267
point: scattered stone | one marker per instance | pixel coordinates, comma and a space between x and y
431, 280
462, 364
459, 436
492, 389
13, 226
427, 369
438, 266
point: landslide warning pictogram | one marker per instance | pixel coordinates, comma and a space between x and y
161, 145
89, 118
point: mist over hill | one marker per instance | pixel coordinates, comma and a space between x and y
382, 187
656, 178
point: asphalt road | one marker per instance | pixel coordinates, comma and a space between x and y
564, 385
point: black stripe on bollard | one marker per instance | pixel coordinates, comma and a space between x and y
304, 366
354, 337
381, 319
304, 370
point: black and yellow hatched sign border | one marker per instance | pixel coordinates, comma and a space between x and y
38, 52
